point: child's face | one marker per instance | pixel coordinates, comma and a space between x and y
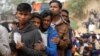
36, 22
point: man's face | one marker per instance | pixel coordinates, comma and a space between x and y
55, 9
46, 22
64, 15
23, 17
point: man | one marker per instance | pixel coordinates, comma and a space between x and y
65, 15
30, 41
51, 38
4, 45
55, 7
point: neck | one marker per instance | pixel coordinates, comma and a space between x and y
21, 26
55, 18
43, 30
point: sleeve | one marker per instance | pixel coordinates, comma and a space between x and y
51, 49
4, 45
29, 51
52, 33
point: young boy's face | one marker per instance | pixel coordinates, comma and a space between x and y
22, 16
36, 22
46, 22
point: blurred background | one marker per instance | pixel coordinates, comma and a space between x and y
81, 11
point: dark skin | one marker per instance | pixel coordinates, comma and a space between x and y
64, 38
56, 10
46, 24
23, 18
65, 15
46, 21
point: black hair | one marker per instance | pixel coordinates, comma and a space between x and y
64, 10
24, 7
55, 1
85, 36
46, 13
33, 3
36, 15
94, 36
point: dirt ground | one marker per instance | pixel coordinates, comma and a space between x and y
93, 4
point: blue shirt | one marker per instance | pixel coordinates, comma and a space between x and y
51, 49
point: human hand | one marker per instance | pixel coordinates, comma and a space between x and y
56, 40
19, 45
39, 46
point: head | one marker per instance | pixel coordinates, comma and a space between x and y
85, 38
55, 7
65, 14
94, 37
62, 28
36, 19
33, 3
46, 19
23, 13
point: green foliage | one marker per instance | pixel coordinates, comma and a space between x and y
77, 7
73, 24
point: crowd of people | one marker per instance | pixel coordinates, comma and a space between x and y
45, 34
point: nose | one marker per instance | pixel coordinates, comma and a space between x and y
36, 24
46, 22
23, 16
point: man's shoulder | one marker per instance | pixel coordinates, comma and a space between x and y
2, 28
52, 32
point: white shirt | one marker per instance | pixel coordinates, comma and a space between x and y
91, 27
44, 37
